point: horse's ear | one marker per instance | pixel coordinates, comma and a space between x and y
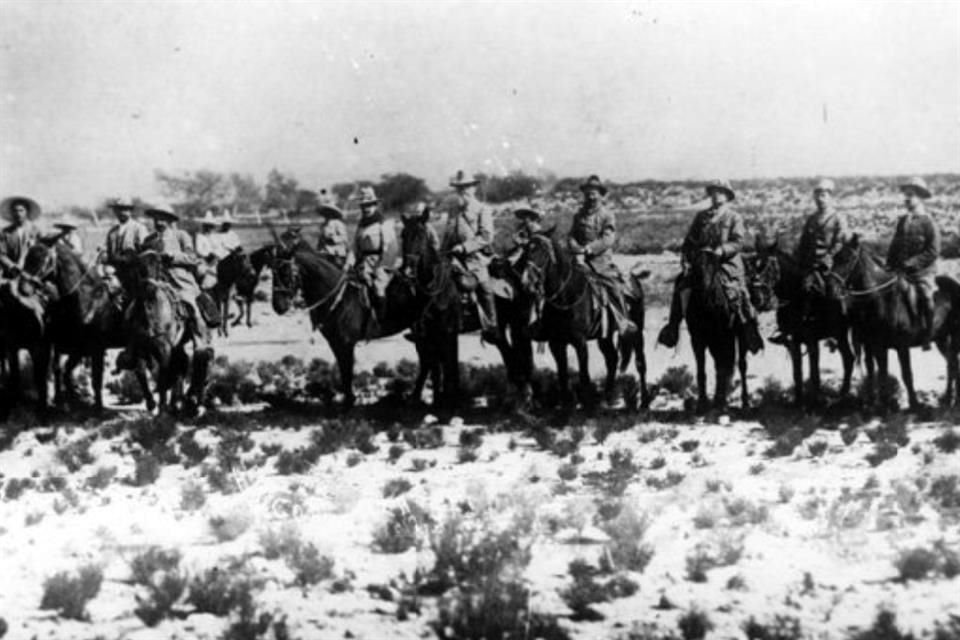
425, 214
550, 231
49, 241
854, 240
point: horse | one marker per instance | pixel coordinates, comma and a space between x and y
234, 271
714, 325
573, 314
947, 320
158, 331
881, 314
338, 304
23, 327
776, 283
246, 285
83, 319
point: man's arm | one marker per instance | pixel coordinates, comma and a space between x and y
931, 247
483, 238
733, 243
608, 235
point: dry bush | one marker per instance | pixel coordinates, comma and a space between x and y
101, 478
125, 388
219, 592
694, 624
884, 628
192, 496
68, 594
232, 525
676, 380
626, 549
233, 382
948, 441
780, 628
146, 470
396, 488
586, 590
723, 551
75, 455
402, 529
158, 572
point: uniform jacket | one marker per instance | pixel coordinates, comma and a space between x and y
14, 244
125, 237
592, 234
177, 244
470, 224
375, 248
718, 227
915, 246
823, 235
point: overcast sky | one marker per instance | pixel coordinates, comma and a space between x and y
96, 95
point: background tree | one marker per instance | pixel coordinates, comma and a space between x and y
246, 195
306, 201
193, 192
516, 185
280, 192
399, 190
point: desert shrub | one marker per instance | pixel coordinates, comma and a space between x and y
725, 551
146, 470
676, 380
165, 583
282, 542
232, 382
882, 451
125, 388
919, 562
75, 455
363, 439
626, 549
694, 624
617, 478
401, 529
586, 590
192, 496
298, 461
53, 483
785, 443
3, 627
742, 511
396, 487
466, 455
568, 472
428, 438
945, 492
249, 623
15, 487
948, 441
193, 452
671, 479
219, 592
101, 478
780, 628
309, 566
68, 594
884, 628
395, 452
817, 448
231, 525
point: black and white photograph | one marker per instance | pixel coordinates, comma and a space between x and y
479, 320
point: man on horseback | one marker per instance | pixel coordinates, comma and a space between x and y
529, 223
68, 235
915, 249
719, 231
824, 232
373, 237
181, 260
206, 245
591, 239
469, 239
124, 240
333, 242
15, 241
227, 240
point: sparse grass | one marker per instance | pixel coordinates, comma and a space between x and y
884, 628
694, 624
309, 566
626, 549
75, 455
68, 594
617, 478
742, 512
676, 380
232, 525
192, 496
401, 531
780, 628
724, 551
587, 591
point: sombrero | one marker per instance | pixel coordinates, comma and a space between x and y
460, 181
208, 219
125, 204
330, 211
67, 222
918, 186
826, 184
226, 218
722, 186
593, 184
162, 212
525, 213
33, 209
367, 197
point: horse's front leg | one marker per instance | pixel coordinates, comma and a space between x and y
870, 384
906, 370
884, 386
742, 356
610, 357
140, 372
559, 351
451, 370
59, 396
584, 385
96, 377
846, 355
41, 373
343, 352
700, 355
813, 355
796, 361
723, 366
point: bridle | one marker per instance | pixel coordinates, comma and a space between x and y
845, 279
539, 280
296, 284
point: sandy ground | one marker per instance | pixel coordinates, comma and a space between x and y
824, 552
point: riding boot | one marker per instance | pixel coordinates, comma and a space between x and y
488, 319
754, 340
625, 326
670, 334
928, 321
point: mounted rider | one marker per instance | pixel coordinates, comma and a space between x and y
824, 233
375, 237
333, 242
16, 238
591, 240
207, 248
181, 260
717, 230
227, 241
915, 249
124, 240
529, 223
468, 238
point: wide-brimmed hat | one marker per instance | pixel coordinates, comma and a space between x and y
33, 209
593, 184
918, 186
824, 184
460, 181
68, 221
330, 211
208, 219
526, 213
723, 186
122, 203
226, 218
367, 197
161, 212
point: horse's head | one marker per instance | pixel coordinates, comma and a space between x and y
40, 263
848, 259
148, 267
763, 274
286, 280
539, 255
415, 239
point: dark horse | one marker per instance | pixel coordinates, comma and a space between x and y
573, 313
715, 325
234, 272
23, 325
440, 312
83, 320
776, 283
338, 304
158, 330
947, 321
881, 314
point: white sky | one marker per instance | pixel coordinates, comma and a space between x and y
95, 95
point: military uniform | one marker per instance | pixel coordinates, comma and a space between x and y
370, 244
123, 239
333, 242
15, 241
914, 252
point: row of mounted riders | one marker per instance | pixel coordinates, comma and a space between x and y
544, 294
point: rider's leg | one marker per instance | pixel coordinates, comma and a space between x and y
752, 331
618, 304
671, 332
488, 317
925, 302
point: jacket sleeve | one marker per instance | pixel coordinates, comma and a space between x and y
608, 235
840, 234
690, 244
5, 261
185, 255
931, 247
733, 243
572, 243
896, 246
483, 238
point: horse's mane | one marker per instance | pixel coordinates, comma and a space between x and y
316, 264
